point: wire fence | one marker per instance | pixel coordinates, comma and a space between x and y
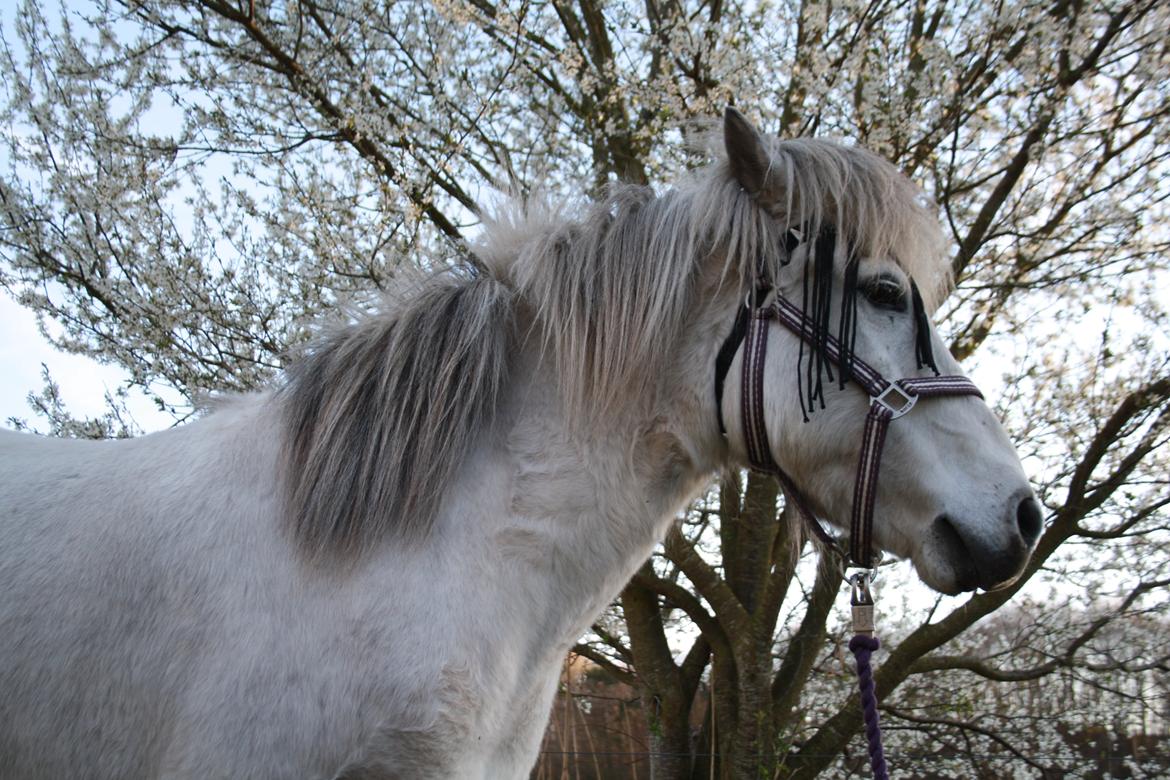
598, 732
909, 765
905, 755
636, 764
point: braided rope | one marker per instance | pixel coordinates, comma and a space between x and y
863, 647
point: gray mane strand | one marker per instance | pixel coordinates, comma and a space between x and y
378, 415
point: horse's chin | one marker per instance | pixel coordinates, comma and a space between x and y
943, 564
946, 580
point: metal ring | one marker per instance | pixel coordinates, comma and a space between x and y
897, 408
844, 564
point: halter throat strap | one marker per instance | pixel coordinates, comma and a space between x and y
729, 349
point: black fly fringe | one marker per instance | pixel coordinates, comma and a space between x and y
847, 330
817, 306
923, 351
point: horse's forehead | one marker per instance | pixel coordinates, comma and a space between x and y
882, 266
870, 264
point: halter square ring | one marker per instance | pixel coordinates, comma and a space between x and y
896, 399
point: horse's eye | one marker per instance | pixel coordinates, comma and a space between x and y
885, 292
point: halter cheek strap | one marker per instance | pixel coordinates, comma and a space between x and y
888, 402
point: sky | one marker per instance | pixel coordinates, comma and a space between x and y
82, 380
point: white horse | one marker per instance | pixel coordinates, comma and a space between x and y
375, 570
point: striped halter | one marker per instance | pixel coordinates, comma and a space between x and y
888, 401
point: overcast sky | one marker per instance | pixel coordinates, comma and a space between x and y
83, 381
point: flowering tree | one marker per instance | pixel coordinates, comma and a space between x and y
189, 184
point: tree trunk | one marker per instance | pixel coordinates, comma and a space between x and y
664, 703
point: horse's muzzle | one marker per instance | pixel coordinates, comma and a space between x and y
990, 561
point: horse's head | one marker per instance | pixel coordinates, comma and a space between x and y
951, 494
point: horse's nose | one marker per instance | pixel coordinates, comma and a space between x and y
989, 558
1029, 521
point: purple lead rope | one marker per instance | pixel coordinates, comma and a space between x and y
863, 645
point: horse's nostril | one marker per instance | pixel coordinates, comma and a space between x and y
1030, 521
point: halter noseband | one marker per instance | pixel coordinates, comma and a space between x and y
888, 401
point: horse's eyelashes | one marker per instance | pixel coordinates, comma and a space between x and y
885, 292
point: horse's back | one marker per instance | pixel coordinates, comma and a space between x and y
121, 570
84, 589
156, 622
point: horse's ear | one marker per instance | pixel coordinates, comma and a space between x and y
745, 151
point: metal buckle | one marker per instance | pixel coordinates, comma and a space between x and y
859, 584
861, 603
901, 403
844, 565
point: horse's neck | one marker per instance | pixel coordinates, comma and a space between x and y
582, 506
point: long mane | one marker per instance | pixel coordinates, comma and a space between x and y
379, 415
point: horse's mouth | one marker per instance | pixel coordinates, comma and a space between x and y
950, 547
951, 564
